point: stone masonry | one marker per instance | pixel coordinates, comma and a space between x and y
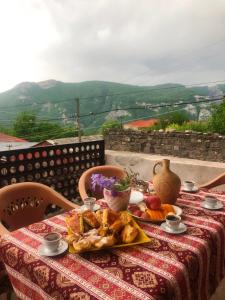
203, 146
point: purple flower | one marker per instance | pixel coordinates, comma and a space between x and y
100, 181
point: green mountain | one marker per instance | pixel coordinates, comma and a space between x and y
99, 101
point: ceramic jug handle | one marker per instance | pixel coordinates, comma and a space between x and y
158, 163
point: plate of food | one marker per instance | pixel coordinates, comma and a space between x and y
91, 231
151, 210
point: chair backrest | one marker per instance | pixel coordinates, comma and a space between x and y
25, 203
84, 184
219, 180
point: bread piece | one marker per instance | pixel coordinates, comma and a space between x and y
109, 217
82, 245
90, 218
117, 226
112, 216
75, 223
125, 217
129, 233
70, 238
103, 230
98, 215
106, 241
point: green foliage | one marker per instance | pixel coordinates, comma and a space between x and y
27, 126
198, 126
170, 118
110, 124
217, 121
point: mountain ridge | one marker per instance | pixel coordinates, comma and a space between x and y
51, 99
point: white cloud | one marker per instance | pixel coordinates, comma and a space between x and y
133, 41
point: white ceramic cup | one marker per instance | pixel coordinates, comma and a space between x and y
210, 200
189, 185
173, 221
89, 202
51, 241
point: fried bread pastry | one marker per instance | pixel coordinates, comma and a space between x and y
106, 241
98, 215
103, 230
129, 233
117, 226
109, 217
70, 238
82, 245
75, 223
90, 218
125, 217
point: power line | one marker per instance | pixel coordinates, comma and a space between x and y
155, 106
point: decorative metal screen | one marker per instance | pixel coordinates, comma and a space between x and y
59, 166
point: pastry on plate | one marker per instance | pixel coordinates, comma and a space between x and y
90, 218
82, 245
129, 234
106, 241
75, 223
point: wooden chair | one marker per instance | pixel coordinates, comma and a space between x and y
84, 184
22, 204
219, 180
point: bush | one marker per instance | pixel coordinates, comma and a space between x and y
110, 124
217, 121
201, 126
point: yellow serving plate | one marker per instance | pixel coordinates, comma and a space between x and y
140, 239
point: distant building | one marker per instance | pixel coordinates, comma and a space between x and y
8, 142
140, 124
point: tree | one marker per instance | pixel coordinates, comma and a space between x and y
217, 121
172, 118
110, 124
27, 126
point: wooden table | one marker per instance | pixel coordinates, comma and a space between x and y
185, 266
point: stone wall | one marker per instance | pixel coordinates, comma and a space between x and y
201, 146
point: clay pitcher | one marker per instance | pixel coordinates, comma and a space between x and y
166, 183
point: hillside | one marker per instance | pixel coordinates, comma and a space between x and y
53, 99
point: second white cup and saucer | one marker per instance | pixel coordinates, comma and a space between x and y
173, 225
211, 202
189, 186
52, 245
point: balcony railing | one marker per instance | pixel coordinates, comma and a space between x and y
59, 166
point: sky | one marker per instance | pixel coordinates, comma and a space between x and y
144, 42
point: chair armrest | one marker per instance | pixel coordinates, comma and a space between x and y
3, 230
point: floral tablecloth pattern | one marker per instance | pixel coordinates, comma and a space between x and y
187, 266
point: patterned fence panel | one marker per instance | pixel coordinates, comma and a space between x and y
58, 166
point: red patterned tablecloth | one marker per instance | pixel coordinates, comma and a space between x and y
186, 266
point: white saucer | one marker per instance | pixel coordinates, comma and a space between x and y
218, 205
182, 228
84, 207
43, 251
136, 197
193, 190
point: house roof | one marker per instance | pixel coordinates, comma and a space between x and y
68, 140
142, 123
8, 138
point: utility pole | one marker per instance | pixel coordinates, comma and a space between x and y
77, 100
